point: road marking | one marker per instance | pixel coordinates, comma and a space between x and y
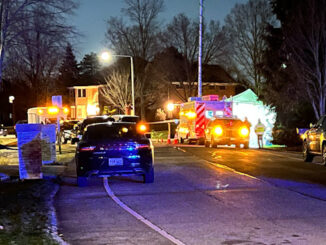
138, 216
231, 169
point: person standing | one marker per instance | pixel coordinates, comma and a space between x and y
259, 130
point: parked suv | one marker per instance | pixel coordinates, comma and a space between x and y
114, 148
314, 142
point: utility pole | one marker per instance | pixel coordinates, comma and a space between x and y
200, 48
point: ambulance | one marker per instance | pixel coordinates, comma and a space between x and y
197, 113
46, 115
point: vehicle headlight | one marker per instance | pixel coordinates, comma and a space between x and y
244, 131
218, 131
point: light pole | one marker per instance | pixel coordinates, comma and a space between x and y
200, 48
106, 56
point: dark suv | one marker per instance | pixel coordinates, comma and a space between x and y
314, 142
114, 148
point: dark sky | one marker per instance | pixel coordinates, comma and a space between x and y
91, 16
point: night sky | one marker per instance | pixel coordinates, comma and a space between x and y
90, 18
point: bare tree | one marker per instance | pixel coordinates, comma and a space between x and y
139, 38
182, 33
117, 89
15, 23
305, 41
246, 26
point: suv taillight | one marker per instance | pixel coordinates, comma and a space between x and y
87, 148
142, 146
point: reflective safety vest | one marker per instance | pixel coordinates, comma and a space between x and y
260, 129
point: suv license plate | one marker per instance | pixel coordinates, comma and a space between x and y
115, 161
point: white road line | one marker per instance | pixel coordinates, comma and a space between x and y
138, 216
231, 170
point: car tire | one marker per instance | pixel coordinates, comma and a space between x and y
246, 145
82, 181
201, 141
324, 154
206, 143
149, 176
212, 143
307, 157
63, 140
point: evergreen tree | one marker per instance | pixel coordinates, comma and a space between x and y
89, 69
69, 73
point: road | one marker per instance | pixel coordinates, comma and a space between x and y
279, 168
198, 199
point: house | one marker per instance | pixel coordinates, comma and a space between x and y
84, 101
215, 80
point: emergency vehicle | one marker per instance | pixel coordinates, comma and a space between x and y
197, 113
46, 115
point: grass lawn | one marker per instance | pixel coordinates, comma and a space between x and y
25, 212
159, 135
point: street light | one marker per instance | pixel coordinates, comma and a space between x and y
106, 57
170, 106
11, 115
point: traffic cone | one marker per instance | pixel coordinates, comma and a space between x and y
168, 141
175, 141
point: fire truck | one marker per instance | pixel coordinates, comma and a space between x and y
197, 113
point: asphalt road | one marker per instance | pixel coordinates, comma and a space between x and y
200, 202
279, 168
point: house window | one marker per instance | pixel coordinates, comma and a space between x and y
81, 111
222, 87
81, 93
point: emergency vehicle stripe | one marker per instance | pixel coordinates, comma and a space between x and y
200, 109
228, 110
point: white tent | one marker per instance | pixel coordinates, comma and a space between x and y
246, 104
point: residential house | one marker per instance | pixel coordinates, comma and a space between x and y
84, 101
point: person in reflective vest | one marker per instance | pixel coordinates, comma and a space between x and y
259, 130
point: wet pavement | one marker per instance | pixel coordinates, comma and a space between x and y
197, 202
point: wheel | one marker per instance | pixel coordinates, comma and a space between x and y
324, 154
149, 176
206, 143
246, 145
201, 141
307, 157
63, 140
81, 181
212, 143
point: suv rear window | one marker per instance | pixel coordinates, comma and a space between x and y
89, 121
114, 131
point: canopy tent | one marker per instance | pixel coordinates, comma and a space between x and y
247, 105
